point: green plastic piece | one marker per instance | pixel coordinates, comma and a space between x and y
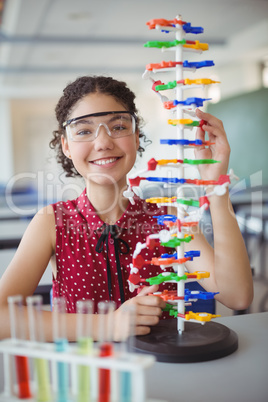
171, 310
156, 280
176, 242
193, 124
159, 45
169, 85
191, 202
200, 161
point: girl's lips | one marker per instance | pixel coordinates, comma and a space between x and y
105, 161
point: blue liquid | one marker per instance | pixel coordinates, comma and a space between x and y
62, 372
125, 386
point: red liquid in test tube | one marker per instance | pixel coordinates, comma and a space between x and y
18, 333
105, 311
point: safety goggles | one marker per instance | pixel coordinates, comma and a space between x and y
86, 128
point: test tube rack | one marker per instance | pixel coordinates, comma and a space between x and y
133, 363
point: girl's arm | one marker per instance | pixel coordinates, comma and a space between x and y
29, 263
228, 263
27, 267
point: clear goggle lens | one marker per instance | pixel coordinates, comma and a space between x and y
86, 128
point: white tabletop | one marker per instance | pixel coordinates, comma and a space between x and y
239, 377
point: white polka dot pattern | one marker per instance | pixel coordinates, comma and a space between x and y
81, 271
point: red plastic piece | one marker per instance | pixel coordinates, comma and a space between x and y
224, 178
138, 262
204, 201
151, 164
134, 278
157, 83
135, 181
202, 122
168, 295
168, 105
152, 243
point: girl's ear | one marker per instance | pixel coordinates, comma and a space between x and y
65, 147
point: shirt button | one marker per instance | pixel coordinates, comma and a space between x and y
111, 241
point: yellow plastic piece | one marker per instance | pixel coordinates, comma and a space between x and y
165, 161
191, 235
200, 81
159, 200
197, 45
200, 274
204, 317
179, 121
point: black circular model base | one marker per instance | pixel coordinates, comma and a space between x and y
197, 343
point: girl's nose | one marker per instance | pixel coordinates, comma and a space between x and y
103, 139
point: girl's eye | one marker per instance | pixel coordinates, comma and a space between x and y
119, 127
83, 133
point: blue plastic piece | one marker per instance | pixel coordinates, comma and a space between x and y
198, 64
166, 179
190, 101
162, 218
181, 142
199, 296
191, 253
167, 255
189, 29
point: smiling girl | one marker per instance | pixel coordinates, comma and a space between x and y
90, 240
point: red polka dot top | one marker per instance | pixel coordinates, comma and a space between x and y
93, 259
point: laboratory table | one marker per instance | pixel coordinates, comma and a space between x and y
239, 377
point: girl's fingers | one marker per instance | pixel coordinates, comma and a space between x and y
148, 289
209, 118
146, 320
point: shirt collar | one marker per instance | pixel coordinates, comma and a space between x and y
128, 219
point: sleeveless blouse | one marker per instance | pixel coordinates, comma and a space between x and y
93, 259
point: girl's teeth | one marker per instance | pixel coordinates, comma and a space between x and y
104, 162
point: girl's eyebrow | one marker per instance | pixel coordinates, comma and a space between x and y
113, 117
119, 116
75, 123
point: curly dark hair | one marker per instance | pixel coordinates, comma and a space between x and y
74, 92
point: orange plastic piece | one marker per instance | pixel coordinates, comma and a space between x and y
166, 161
162, 64
162, 22
189, 224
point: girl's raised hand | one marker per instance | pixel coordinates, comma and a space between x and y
220, 151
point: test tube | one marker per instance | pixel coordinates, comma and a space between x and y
61, 345
105, 319
17, 329
36, 330
84, 310
127, 331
